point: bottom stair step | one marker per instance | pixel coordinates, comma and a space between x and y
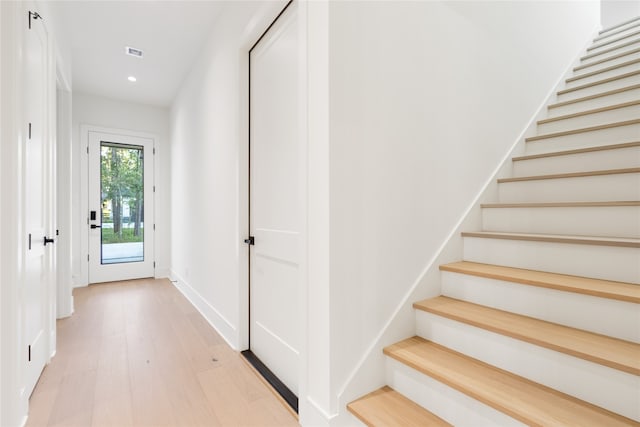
387, 407
524, 400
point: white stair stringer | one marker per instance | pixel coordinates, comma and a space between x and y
577, 219
592, 188
449, 404
618, 319
622, 132
600, 385
622, 157
621, 112
620, 264
602, 99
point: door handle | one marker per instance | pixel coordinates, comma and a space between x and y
48, 240
250, 241
95, 226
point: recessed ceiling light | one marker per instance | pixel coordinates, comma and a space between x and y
131, 79
133, 51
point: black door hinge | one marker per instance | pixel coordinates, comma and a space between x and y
29, 241
250, 241
34, 16
29, 131
29, 355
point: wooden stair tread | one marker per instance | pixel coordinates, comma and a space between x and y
611, 33
595, 96
524, 400
614, 40
588, 112
603, 60
557, 238
387, 407
599, 82
603, 70
602, 52
561, 205
601, 349
570, 175
577, 151
618, 25
583, 285
582, 130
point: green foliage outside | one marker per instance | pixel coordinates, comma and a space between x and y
127, 236
121, 172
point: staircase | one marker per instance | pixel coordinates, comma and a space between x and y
540, 324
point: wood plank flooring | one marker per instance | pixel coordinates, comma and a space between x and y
137, 353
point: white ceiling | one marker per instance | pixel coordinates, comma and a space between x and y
171, 34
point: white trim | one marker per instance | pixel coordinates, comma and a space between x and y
85, 129
220, 323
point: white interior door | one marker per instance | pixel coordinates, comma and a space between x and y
36, 277
120, 216
274, 212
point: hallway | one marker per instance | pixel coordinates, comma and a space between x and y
137, 353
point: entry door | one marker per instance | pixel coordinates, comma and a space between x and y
120, 216
274, 212
35, 204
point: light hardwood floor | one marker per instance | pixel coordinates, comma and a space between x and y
137, 353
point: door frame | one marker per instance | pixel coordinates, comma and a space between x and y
84, 190
63, 120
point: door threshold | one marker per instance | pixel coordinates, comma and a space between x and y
281, 390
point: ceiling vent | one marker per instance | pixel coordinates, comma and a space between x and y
134, 52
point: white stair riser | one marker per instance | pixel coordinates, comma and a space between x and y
599, 88
594, 138
619, 41
591, 104
618, 32
449, 404
594, 383
616, 221
602, 188
589, 120
600, 262
616, 60
618, 319
621, 158
602, 76
591, 57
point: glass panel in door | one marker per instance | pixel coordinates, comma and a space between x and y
122, 203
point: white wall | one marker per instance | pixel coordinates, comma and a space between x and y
99, 111
616, 11
425, 100
209, 171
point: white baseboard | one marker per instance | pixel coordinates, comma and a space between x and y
223, 326
311, 414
